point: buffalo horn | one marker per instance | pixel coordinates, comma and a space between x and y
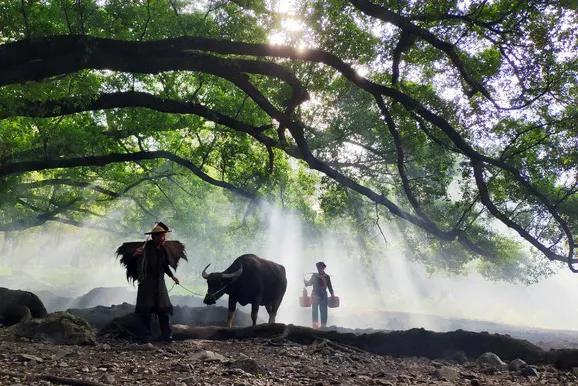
205, 274
233, 275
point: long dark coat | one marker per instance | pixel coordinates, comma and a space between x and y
152, 296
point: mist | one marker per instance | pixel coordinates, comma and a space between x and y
69, 261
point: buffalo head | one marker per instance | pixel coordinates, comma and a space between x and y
217, 283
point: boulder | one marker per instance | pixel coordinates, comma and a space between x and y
516, 364
529, 371
248, 365
449, 373
57, 328
207, 356
492, 360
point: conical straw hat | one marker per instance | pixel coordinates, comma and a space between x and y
158, 228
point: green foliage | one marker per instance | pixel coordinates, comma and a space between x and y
522, 52
333, 26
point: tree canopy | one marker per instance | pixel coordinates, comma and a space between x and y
456, 119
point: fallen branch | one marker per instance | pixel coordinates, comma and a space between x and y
53, 378
69, 381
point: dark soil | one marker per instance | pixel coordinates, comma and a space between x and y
244, 361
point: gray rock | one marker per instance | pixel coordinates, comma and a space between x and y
208, 356
142, 347
237, 372
447, 372
62, 354
57, 328
516, 364
247, 364
436, 364
108, 379
492, 360
529, 371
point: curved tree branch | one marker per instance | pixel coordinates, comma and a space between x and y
72, 105
408, 27
33, 60
30, 60
22, 167
478, 167
406, 40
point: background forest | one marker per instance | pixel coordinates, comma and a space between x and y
445, 129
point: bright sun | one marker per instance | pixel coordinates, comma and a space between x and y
291, 25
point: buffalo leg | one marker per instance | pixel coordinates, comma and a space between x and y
254, 312
231, 314
274, 308
272, 313
272, 316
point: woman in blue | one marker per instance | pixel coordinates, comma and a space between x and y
321, 282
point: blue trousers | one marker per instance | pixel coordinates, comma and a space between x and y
319, 306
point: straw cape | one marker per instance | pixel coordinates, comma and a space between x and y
175, 250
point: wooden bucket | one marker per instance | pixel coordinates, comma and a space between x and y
333, 302
305, 300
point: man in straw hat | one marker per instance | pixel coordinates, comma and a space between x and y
147, 263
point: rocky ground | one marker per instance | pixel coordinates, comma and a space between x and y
247, 362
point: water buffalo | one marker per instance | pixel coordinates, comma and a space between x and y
19, 306
250, 279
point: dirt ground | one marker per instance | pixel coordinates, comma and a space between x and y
247, 362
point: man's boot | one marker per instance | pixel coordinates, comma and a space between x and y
166, 331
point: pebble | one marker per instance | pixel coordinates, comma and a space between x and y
28, 357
